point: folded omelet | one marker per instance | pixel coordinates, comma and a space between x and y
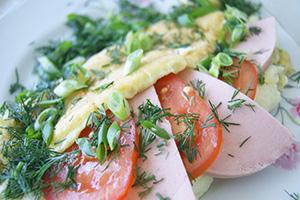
155, 64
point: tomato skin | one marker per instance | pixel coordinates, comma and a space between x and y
247, 78
208, 140
94, 181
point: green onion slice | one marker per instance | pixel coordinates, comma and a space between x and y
102, 134
185, 20
113, 135
47, 132
223, 59
101, 153
47, 115
160, 132
67, 87
85, 146
137, 40
133, 61
214, 69
48, 66
118, 105
238, 34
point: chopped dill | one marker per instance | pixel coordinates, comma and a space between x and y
254, 30
186, 139
230, 155
294, 196
16, 86
199, 86
295, 77
223, 121
161, 197
146, 180
154, 114
244, 142
235, 103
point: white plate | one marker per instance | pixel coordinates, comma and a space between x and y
34, 22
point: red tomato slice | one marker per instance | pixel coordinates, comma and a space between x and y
247, 78
95, 181
208, 140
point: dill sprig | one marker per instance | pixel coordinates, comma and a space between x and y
146, 180
235, 103
199, 86
207, 122
295, 77
27, 162
294, 196
244, 142
254, 30
161, 197
148, 111
223, 121
17, 86
246, 6
186, 139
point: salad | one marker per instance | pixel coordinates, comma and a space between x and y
148, 105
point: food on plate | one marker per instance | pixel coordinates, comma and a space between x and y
146, 105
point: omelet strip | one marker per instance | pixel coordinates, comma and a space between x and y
155, 65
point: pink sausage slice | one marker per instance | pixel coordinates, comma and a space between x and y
253, 145
168, 165
259, 48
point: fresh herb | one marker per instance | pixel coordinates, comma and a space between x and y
118, 105
244, 142
246, 6
160, 132
294, 196
27, 161
67, 87
199, 86
235, 103
207, 122
16, 86
186, 14
230, 155
223, 121
146, 180
161, 197
153, 114
104, 86
133, 61
98, 73
113, 135
138, 40
116, 55
261, 77
85, 146
162, 147
254, 30
295, 77
186, 139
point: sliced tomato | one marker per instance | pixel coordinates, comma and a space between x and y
181, 99
246, 79
112, 180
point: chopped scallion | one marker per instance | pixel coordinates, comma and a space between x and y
133, 61
113, 135
160, 132
48, 67
67, 87
85, 146
223, 59
118, 105
185, 20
